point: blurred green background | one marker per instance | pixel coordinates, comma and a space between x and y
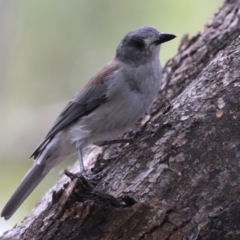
49, 49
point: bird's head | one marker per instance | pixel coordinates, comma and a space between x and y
141, 45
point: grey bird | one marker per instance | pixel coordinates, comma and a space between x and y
109, 104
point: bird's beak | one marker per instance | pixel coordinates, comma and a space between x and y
164, 37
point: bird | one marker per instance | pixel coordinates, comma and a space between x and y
108, 105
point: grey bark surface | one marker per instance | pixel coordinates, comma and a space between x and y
180, 178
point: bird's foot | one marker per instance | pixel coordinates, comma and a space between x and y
116, 141
93, 178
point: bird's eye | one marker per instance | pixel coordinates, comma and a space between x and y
137, 43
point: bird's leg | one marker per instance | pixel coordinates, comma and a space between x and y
80, 160
93, 178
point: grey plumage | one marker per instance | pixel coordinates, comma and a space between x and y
33, 177
110, 103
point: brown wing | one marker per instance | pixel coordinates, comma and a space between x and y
90, 98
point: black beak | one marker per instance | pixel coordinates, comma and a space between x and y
164, 37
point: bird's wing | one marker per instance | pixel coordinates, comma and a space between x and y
91, 97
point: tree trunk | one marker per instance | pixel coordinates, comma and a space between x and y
180, 178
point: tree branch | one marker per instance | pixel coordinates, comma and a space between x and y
180, 178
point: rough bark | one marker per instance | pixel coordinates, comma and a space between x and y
180, 178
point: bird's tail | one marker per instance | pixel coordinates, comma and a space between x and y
33, 177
